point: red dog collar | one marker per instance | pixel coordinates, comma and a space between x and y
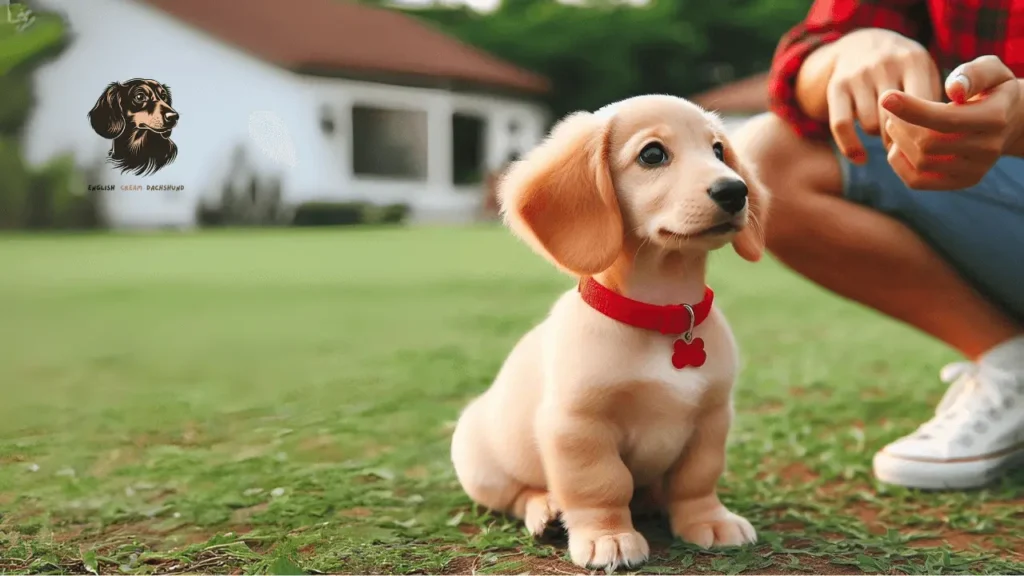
671, 319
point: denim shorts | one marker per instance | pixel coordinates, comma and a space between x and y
978, 230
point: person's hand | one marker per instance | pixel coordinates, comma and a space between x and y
867, 63
938, 146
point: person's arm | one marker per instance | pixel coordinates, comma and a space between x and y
800, 71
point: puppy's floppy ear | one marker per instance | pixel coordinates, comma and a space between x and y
749, 243
107, 116
561, 199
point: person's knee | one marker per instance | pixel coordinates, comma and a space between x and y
792, 168
755, 138
768, 144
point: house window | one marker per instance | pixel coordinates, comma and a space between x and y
468, 133
390, 143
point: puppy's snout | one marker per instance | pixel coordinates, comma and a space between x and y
729, 193
170, 117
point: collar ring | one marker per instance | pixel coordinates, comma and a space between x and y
688, 335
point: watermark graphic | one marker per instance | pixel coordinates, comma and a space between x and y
271, 136
18, 15
138, 117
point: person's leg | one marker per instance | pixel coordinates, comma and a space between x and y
859, 252
949, 263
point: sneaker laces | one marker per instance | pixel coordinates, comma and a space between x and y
975, 394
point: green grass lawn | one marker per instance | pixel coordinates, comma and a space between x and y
277, 401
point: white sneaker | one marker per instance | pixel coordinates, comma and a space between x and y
977, 433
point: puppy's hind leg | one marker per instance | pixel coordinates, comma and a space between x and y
488, 484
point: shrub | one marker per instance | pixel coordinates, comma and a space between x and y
60, 198
331, 214
54, 196
15, 185
209, 216
349, 213
257, 204
394, 214
246, 197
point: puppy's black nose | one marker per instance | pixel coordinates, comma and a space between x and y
730, 194
171, 117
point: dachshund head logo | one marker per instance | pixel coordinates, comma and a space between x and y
138, 117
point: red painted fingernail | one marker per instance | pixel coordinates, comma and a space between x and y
891, 102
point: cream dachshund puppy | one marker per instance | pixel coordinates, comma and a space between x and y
627, 384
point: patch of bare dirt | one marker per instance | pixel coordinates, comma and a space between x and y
809, 564
797, 472
323, 446
376, 450
190, 435
68, 535
868, 516
770, 407
242, 515
873, 521
1001, 505
112, 536
526, 565
965, 542
358, 512
469, 529
417, 472
873, 392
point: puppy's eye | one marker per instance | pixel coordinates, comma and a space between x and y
140, 97
653, 155
719, 151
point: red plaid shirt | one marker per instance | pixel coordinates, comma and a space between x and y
954, 31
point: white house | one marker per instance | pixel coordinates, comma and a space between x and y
736, 101
339, 101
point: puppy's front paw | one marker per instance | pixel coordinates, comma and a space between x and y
603, 551
716, 528
540, 512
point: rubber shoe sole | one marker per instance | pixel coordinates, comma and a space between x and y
963, 474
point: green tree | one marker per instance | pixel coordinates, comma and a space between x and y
51, 196
602, 50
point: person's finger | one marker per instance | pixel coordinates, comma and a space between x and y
917, 179
840, 120
976, 77
865, 104
883, 85
902, 138
901, 165
917, 142
883, 120
921, 160
948, 118
922, 82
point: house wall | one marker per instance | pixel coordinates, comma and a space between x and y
437, 198
216, 88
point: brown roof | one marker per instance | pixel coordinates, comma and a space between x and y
343, 36
748, 95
